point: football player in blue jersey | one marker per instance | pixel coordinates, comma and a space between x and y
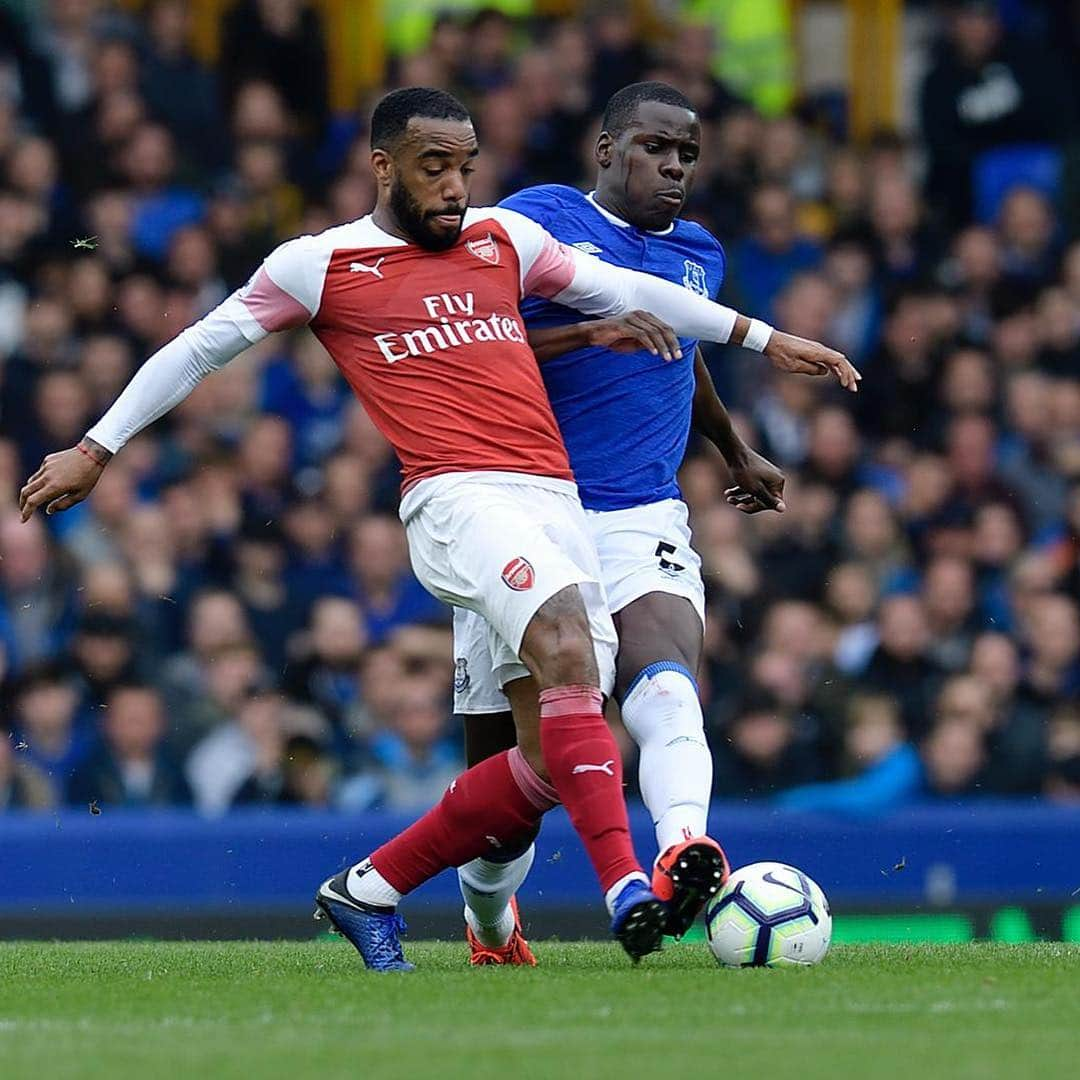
626, 421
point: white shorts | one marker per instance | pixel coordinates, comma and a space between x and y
643, 549
498, 546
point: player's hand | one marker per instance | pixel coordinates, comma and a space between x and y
758, 485
790, 353
63, 480
633, 332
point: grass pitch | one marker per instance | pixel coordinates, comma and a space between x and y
253, 1010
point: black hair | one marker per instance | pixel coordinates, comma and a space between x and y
393, 113
623, 105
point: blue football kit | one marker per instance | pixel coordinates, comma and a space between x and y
625, 418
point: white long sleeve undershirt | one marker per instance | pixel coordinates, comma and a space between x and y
295, 272
175, 370
598, 288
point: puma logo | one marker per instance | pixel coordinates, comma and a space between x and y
605, 768
364, 268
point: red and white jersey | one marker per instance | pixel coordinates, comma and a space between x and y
431, 342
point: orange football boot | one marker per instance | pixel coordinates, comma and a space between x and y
515, 951
686, 876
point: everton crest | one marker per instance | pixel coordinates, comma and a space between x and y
694, 277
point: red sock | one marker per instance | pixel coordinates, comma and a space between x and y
583, 759
487, 806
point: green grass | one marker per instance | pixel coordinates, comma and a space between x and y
239, 1009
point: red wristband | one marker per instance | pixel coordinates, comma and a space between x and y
84, 450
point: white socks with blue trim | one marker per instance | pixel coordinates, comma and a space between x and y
663, 714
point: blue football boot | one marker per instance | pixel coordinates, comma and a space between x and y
638, 920
372, 930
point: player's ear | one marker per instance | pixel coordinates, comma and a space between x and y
382, 165
604, 147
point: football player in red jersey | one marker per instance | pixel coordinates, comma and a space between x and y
418, 305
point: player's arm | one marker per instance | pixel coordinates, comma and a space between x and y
757, 483
583, 282
248, 315
600, 289
633, 332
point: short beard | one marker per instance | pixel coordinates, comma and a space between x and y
411, 219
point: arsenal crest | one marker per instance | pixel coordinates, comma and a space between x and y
485, 248
518, 575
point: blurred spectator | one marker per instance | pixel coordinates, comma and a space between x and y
218, 669
385, 587
948, 597
274, 612
177, 87
130, 765
899, 392
417, 755
850, 598
901, 666
953, 755
324, 673
1052, 632
22, 785
887, 767
104, 655
903, 244
305, 389
985, 91
245, 762
485, 65
282, 43
44, 704
757, 754
310, 774
26, 71
774, 253
1028, 241
849, 269
35, 595
161, 206
1063, 748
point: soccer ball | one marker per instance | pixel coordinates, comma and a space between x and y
768, 915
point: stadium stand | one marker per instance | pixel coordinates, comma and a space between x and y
230, 620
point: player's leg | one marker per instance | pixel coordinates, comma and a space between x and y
488, 883
568, 644
487, 734
660, 644
654, 581
458, 545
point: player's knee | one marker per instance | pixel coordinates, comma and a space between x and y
566, 656
558, 646
662, 703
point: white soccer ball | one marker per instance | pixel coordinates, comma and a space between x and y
768, 915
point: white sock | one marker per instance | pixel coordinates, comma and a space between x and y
612, 894
487, 888
663, 714
366, 884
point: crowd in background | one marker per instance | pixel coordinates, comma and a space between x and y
230, 619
